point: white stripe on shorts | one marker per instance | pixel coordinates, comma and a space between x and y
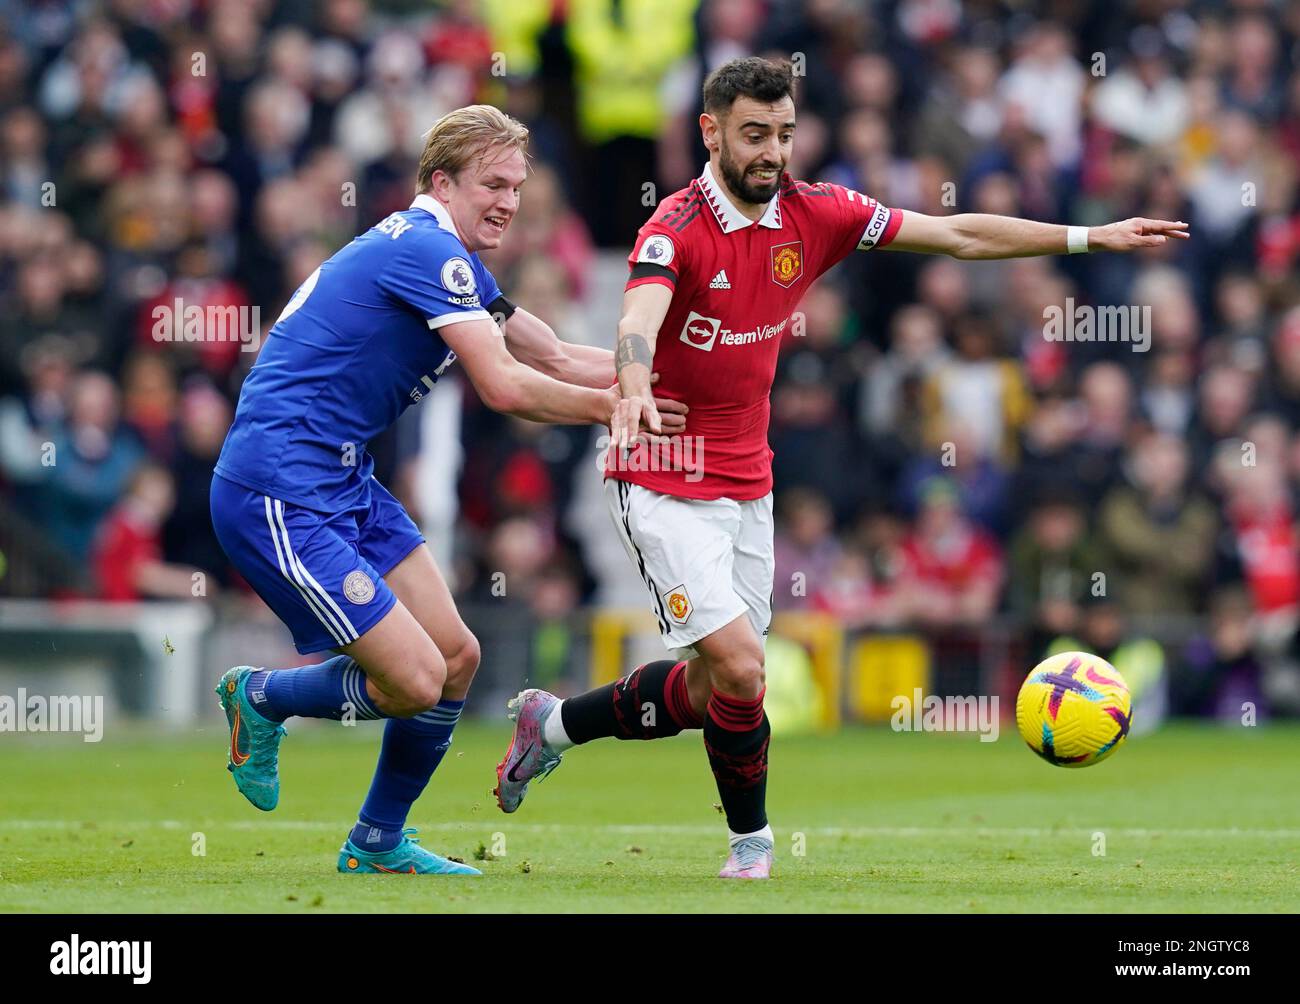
289, 568
312, 583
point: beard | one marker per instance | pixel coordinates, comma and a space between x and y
745, 188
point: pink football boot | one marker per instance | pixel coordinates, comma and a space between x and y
751, 858
529, 756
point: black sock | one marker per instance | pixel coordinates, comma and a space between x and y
736, 734
649, 703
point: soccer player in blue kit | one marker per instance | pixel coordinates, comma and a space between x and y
297, 508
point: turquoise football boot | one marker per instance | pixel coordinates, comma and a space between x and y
407, 858
254, 741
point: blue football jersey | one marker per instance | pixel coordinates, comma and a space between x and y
355, 346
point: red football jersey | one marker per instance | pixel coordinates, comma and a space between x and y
735, 285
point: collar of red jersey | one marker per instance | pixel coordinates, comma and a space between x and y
729, 217
431, 205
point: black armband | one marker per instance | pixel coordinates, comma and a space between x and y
501, 309
647, 269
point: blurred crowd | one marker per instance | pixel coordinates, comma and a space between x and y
940, 463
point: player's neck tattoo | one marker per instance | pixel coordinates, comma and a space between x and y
632, 348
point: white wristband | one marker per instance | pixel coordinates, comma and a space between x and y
1076, 240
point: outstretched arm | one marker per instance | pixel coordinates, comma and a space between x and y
533, 342
508, 386
981, 235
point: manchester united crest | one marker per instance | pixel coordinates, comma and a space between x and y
678, 604
787, 263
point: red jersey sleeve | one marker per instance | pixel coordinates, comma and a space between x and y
659, 255
860, 222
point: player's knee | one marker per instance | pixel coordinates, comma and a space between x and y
416, 698
462, 661
420, 691
739, 673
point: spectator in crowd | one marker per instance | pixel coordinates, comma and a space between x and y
980, 481
558, 649
890, 394
1254, 82
805, 547
1167, 400
1221, 188
1053, 566
1158, 531
1220, 674
1044, 85
1104, 424
543, 283
30, 420
1281, 391
621, 49
22, 151
1143, 100
977, 391
546, 227
863, 587
811, 436
1243, 313
878, 535
517, 550
953, 571
397, 80
1263, 540
963, 112
127, 552
39, 307
149, 403
204, 417
1224, 399
92, 458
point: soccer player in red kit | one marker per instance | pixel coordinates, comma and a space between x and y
716, 274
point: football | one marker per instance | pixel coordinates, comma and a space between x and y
1074, 709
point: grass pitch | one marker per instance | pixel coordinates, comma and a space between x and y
1194, 818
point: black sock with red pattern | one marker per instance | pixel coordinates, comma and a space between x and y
651, 702
736, 734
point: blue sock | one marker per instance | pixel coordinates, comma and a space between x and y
326, 690
411, 752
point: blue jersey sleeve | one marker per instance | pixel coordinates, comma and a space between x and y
432, 275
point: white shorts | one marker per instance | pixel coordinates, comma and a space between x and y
705, 562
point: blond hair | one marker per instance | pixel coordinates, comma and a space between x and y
460, 136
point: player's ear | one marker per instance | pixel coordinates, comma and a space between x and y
709, 127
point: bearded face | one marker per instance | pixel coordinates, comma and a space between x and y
754, 143
756, 181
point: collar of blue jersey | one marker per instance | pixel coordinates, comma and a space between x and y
431, 205
729, 217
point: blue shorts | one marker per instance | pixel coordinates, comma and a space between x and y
322, 573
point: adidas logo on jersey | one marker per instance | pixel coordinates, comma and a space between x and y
720, 280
